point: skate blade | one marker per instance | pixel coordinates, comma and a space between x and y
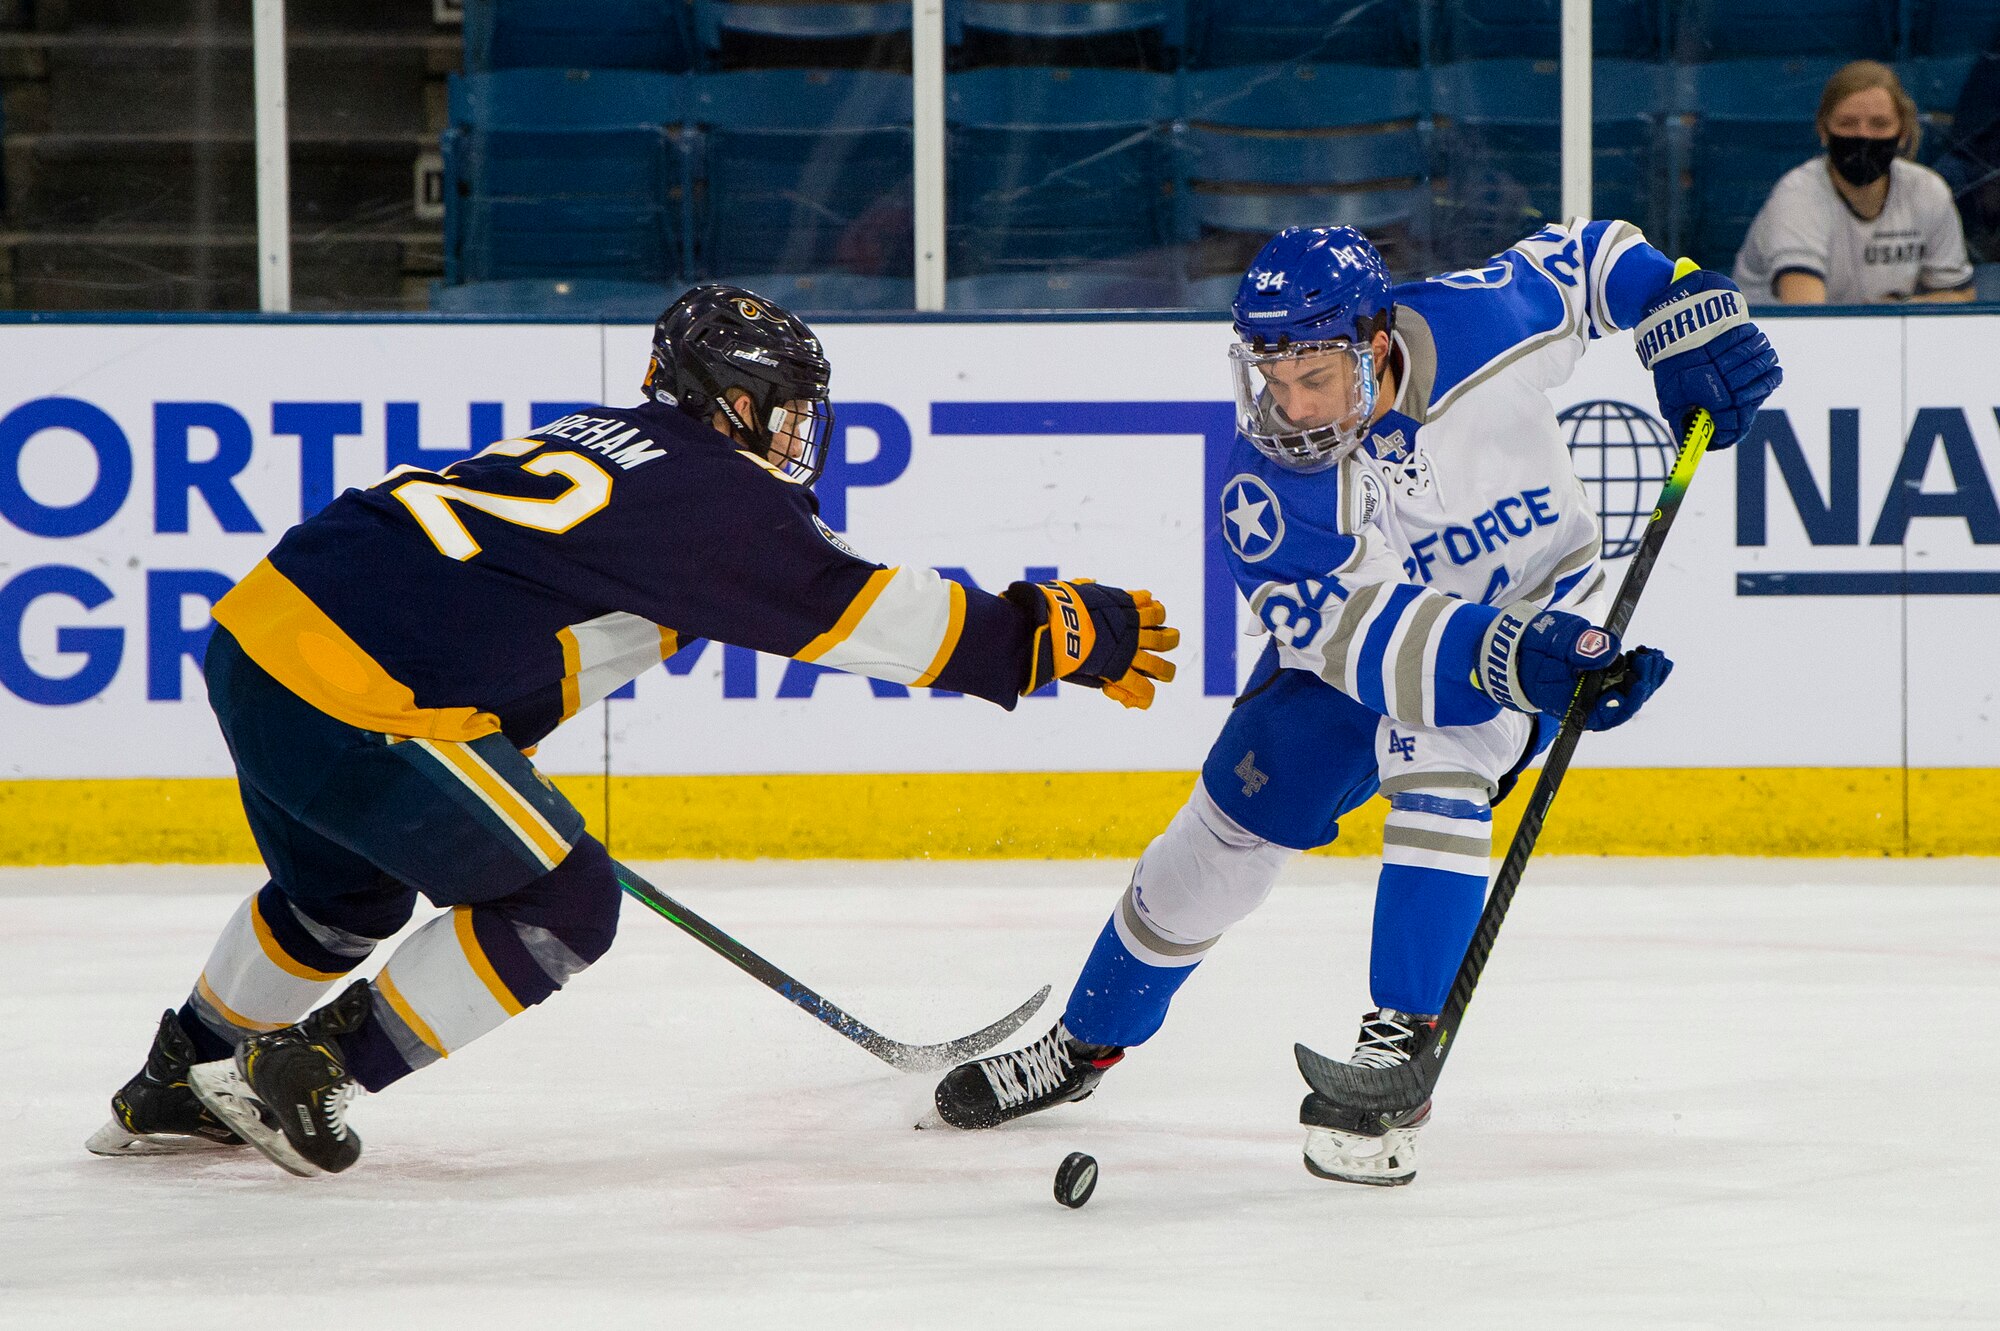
1366, 1180
113, 1140
221, 1087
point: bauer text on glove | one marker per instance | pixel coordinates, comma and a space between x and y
1532, 659
1103, 637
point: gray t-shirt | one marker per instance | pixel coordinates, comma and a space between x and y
1915, 245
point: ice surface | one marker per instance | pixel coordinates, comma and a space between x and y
1690, 1094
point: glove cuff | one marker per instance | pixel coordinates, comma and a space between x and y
1686, 321
1499, 665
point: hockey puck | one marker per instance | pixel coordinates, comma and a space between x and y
1076, 1179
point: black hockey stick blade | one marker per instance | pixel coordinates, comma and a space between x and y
1375, 1096
898, 1055
1372, 1093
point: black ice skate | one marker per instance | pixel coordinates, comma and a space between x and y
1350, 1148
1054, 1070
156, 1113
287, 1090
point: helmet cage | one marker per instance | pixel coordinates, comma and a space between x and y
1311, 447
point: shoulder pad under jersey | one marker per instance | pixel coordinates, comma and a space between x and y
1457, 326
1281, 526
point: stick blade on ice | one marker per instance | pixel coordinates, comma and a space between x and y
940, 1057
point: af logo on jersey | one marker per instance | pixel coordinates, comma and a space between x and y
1252, 522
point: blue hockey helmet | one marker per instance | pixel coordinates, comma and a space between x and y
1307, 312
1312, 284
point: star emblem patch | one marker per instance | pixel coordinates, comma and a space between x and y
1252, 521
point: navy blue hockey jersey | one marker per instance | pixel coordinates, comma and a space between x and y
520, 585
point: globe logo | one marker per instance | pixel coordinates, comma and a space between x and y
1623, 455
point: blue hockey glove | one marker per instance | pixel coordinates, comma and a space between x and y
1532, 659
1697, 339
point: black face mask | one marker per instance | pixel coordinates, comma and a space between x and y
1860, 161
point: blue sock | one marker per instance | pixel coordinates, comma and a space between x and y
1423, 920
1119, 999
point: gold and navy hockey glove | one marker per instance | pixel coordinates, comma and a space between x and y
1100, 637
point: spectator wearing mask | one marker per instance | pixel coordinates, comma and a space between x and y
1862, 223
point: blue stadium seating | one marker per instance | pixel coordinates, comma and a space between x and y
1078, 290
1934, 83
826, 33
1271, 146
1346, 32
1754, 123
564, 173
1509, 29
804, 171
830, 293
1054, 18
576, 34
1139, 34
1058, 169
1500, 136
540, 298
1955, 27
1212, 294
1756, 29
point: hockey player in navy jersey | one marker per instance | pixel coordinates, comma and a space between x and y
1402, 517
381, 677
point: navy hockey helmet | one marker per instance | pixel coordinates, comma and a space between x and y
718, 340
1307, 312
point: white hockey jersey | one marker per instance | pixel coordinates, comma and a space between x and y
1381, 575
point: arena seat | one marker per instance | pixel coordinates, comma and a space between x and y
1499, 137
1223, 33
1211, 294
1084, 290
803, 171
1130, 33
576, 34
830, 293
1754, 123
542, 298
802, 33
1759, 29
1057, 168
1270, 146
571, 173
1954, 27
1532, 29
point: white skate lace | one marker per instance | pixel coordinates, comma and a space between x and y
1387, 1038
1026, 1073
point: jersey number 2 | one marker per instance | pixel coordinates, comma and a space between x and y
430, 502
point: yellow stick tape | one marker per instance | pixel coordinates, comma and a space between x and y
1038, 815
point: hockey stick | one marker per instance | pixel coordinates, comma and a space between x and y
904, 1057
1375, 1098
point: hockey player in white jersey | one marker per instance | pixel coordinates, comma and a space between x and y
1402, 517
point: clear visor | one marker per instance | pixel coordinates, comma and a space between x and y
798, 431
1307, 406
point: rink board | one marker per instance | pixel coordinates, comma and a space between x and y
1829, 594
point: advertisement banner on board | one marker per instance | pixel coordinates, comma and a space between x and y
1829, 593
